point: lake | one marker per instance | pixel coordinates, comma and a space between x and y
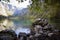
16, 25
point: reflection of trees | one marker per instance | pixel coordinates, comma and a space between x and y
6, 24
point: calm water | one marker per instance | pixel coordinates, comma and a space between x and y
16, 25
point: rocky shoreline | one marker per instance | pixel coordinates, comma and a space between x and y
42, 30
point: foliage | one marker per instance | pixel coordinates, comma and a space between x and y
44, 8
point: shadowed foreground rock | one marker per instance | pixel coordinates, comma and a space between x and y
45, 31
8, 35
22, 36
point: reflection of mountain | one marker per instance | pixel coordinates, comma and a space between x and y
6, 24
22, 29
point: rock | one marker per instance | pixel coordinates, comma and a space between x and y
8, 35
41, 22
22, 36
41, 26
40, 37
31, 37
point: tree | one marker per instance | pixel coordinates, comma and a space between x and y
44, 8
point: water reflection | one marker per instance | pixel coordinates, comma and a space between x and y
6, 24
17, 26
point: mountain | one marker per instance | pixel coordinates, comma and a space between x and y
21, 12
